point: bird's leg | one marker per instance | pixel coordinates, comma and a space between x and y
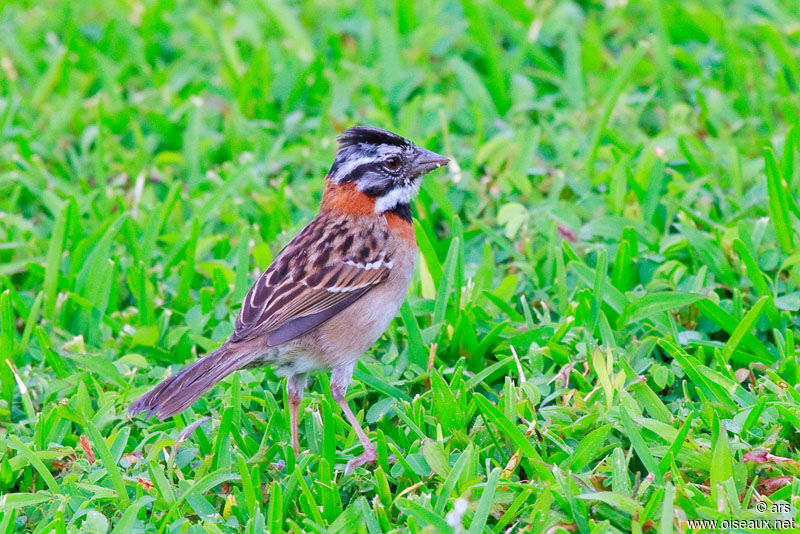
340, 379
295, 385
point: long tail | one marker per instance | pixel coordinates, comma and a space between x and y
178, 392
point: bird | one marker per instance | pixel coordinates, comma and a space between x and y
331, 292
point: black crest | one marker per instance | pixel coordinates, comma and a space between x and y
370, 136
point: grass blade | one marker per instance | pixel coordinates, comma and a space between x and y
612, 95
108, 461
509, 429
639, 445
416, 346
452, 479
446, 287
485, 503
655, 303
778, 202
423, 514
53, 263
34, 460
747, 323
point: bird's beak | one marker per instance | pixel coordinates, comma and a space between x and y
426, 161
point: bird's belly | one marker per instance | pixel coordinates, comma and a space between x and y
287, 359
348, 335
341, 339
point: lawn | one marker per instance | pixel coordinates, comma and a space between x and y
601, 334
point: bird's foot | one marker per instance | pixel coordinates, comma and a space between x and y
367, 457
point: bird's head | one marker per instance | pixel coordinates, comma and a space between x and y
382, 165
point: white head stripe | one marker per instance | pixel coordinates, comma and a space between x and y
349, 166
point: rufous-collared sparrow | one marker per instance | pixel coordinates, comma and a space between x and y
332, 291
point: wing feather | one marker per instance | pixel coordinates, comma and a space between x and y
324, 269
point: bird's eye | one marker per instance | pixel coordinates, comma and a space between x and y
393, 162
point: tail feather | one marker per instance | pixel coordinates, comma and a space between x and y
178, 392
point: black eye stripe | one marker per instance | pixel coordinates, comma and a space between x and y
374, 188
356, 173
378, 189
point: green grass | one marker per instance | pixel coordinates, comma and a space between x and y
601, 335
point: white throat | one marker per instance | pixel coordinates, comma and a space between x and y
398, 195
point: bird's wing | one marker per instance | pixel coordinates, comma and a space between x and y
329, 265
